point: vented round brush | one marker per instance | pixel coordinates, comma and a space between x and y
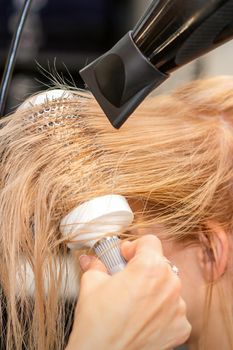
95, 224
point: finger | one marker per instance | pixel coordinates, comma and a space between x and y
146, 258
142, 245
88, 263
127, 250
85, 261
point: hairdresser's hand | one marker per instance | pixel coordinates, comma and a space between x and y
137, 308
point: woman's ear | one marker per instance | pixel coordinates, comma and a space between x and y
215, 251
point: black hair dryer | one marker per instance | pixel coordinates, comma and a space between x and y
170, 34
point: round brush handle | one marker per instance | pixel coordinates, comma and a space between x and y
108, 251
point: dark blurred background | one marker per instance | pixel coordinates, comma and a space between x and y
60, 36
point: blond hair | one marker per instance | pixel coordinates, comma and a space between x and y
174, 155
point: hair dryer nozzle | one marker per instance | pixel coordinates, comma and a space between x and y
121, 79
169, 35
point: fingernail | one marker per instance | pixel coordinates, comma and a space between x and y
84, 261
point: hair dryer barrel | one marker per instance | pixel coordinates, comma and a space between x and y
175, 32
169, 35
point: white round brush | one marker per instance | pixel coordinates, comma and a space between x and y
93, 221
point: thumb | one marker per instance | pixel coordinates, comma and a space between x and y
143, 245
88, 263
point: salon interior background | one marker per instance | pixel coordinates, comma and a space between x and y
66, 35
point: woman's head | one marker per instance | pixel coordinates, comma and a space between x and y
172, 160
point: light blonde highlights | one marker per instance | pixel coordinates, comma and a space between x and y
174, 155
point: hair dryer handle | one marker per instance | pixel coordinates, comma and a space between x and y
175, 32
